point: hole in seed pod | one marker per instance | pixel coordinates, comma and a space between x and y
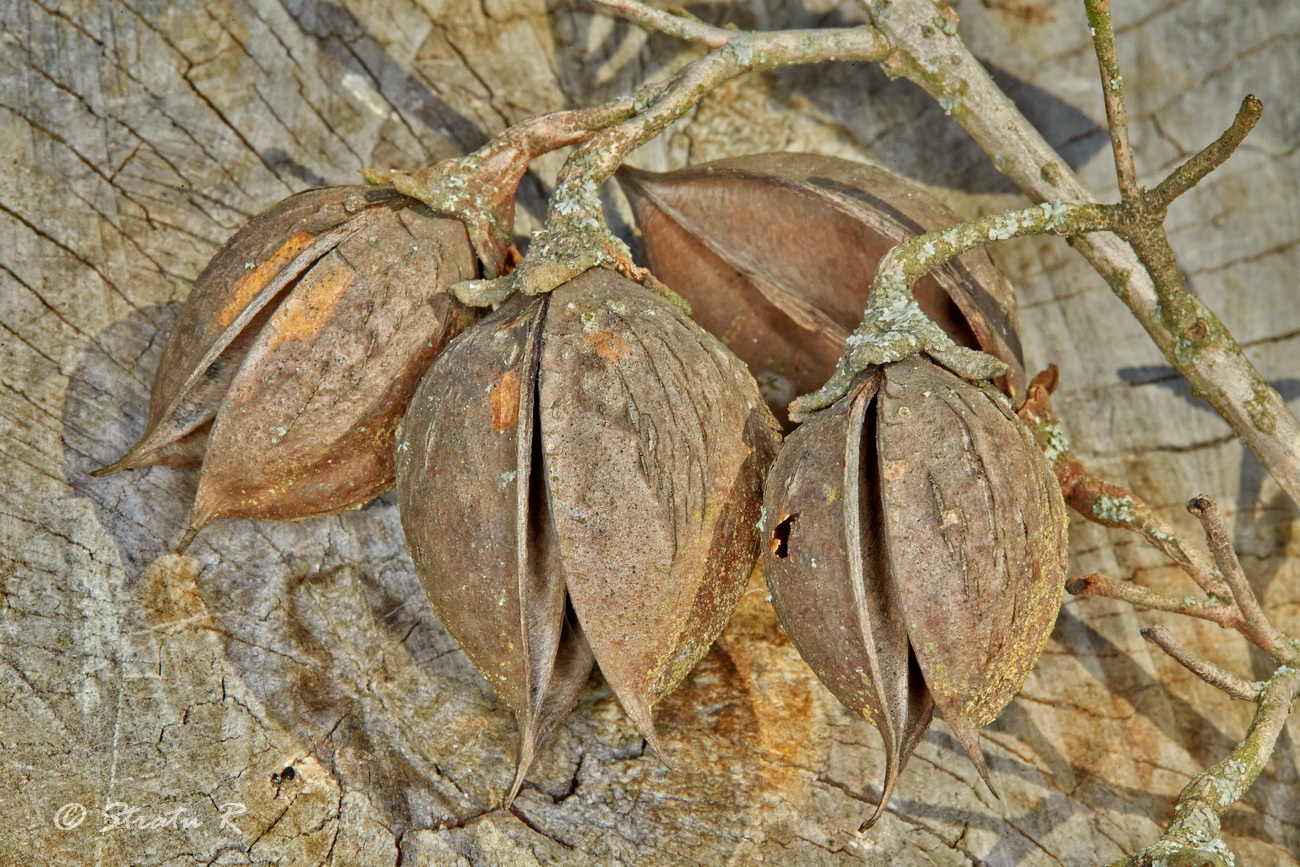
781, 536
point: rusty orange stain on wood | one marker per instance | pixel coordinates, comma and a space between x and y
256, 280
505, 401
608, 345
310, 304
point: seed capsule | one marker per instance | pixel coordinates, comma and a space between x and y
592, 444
824, 570
776, 253
231, 302
298, 350
917, 552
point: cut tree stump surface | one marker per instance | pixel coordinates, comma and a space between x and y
138, 136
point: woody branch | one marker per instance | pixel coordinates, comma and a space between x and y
574, 236
1228, 600
893, 326
1140, 267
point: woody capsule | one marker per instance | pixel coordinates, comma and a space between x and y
916, 553
914, 535
580, 479
294, 356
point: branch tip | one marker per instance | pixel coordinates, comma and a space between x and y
1213, 155
1220, 678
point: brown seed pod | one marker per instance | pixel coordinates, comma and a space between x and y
306, 426
293, 358
776, 253
231, 302
594, 444
953, 532
825, 569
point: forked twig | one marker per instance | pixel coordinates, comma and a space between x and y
1229, 601
1139, 268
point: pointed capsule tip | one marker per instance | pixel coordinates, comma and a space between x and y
875, 816
520, 771
639, 712
527, 750
122, 463
969, 738
657, 749
893, 767
183, 545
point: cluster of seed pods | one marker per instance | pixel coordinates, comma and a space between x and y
916, 547
581, 474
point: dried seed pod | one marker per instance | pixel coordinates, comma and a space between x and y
617, 460
231, 302
306, 426
475, 510
976, 526
953, 532
776, 253
826, 567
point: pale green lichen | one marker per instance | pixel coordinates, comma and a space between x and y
1233, 784
1257, 408
1056, 444
1118, 510
945, 24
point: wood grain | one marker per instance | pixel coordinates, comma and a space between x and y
138, 135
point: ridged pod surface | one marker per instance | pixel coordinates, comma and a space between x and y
916, 552
976, 531
229, 305
776, 253
594, 445
292, 360
307, 425
823, 565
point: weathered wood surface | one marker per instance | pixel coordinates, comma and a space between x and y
138, 134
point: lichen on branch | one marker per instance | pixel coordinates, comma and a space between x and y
1146, 278
893, 326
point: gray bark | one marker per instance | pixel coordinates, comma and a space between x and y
137, 136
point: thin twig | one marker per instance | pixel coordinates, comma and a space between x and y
680, 26
1236, 687
1106, 503
1194, 835
1257, 626
479, 188
1112, 88
893, 325
575, 236
1190, 173
1211, 609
